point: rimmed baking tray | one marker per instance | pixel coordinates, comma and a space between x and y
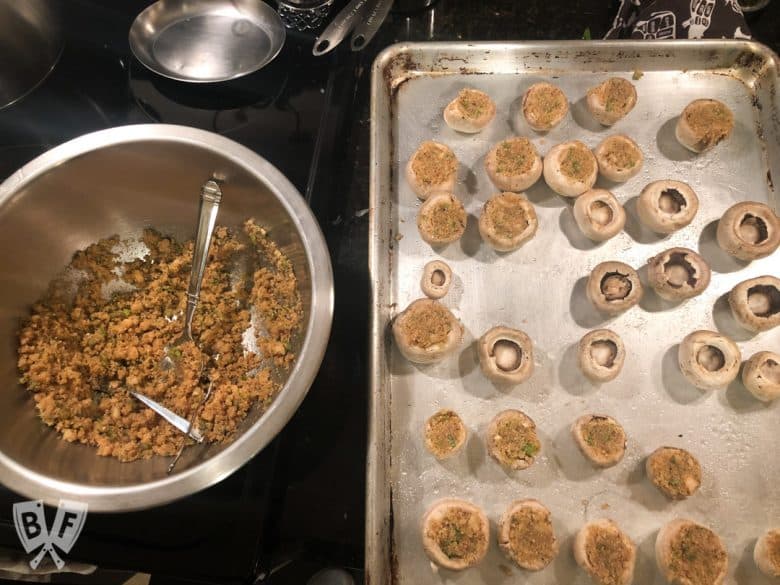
540, 289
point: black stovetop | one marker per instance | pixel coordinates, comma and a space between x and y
297, 506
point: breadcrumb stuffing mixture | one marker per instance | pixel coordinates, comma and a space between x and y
711, 122
515, 440
434, 164
531, 537
607, 553
443, 432
507, 214
545, 104
621, 154
773, 547
473, 103
577, 163
697, 556
426, 325
445, 220
604, 436
78, 354
616, 94
459, 534
515, 156
676, 472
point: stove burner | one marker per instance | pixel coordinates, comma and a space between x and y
218, 107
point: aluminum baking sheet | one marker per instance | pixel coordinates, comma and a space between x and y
540, 289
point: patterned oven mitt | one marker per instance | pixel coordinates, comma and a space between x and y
679, 19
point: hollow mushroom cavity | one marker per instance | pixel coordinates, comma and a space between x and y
678, 273
506, 355
436, 279
614, 287
601, 355
755, 303
749, 230
709, 360
667, 206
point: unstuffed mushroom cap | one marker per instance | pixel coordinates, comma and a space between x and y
761, 375
703, 124
619, 158
601, 355
433, 168
613, 287
667, 206
441, 219
684, 547
570, 168
470, 111
755, 303
611, 100
599, 215
708, 360
441, 525
506, 355
507, 221
426, 331
605, 553
544, 106
513, 164
677, 274
749, 230
436, 279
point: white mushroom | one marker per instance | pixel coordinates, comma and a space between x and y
613, 287
544, 106
508, 220
667, 206
599, 215
470, 111
426, 332
761, 375
755, 303
455, 534
605, 553
600, 355
526, 535
511, 439
441, 219
445, 434
684, 548
436, 279
675, 472
506, 355
766, 553
570, 168
619, 158
749, 230
703, 124
708, 360
611, 100
600, 438
433, 168
513, 164
678, 273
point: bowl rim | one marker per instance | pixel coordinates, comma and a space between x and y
130, 497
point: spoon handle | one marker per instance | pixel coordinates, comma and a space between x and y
210, 198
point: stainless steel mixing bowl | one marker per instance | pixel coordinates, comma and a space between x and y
114, 182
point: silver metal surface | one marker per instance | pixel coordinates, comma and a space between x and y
340, 26
119, 181
540, 289
206, 40
177, 421
373, 18
303, 15
31, 33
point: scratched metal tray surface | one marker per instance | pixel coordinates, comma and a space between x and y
540, 289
